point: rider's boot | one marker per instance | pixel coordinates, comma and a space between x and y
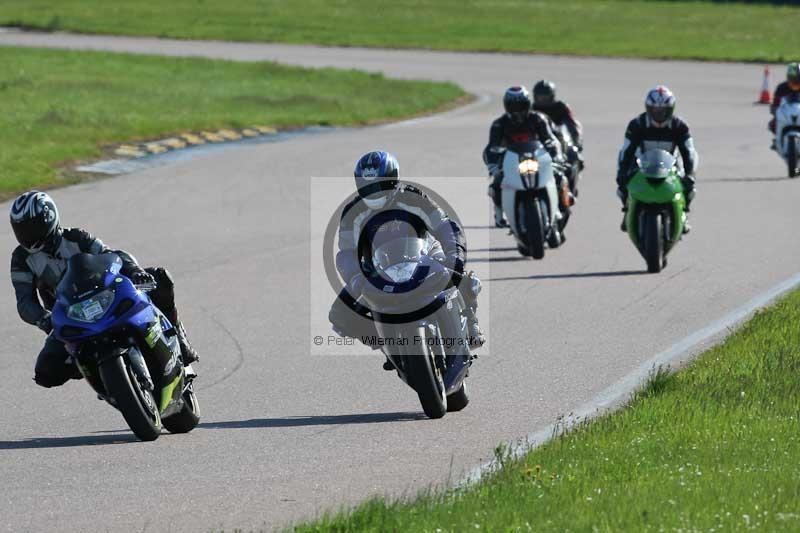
624, 225
499, 218
189, 353
686, 226
476, 336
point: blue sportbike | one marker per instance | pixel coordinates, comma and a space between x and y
124, 346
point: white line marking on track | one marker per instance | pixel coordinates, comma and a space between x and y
614, 395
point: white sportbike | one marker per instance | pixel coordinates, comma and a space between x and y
787, 133
531, 199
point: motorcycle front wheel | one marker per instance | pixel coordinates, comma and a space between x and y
426, 378
535, 226
793, 153
653, 242
137, 405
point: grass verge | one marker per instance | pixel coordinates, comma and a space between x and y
758, 31
61, 106
713, 447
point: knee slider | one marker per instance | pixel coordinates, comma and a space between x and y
48, 380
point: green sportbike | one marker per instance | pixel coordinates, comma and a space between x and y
656, 207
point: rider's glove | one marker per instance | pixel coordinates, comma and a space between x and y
142, 277
45, 323
495, 171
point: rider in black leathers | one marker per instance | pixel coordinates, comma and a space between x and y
545, 101
39, 263
790, 87
560, 114
657, 128
517, 125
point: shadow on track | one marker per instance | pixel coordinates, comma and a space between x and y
575, 275
299, 421
498, 259
498, 249
67, 442
746, 180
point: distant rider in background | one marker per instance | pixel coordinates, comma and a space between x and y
519, 124
545, 102
784, 89
39, 263
657, 128
380, 190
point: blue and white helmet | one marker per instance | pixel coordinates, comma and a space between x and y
35, 220
659, 104
376, 175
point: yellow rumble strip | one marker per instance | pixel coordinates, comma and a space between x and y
230, 135
213, 137
189, 139
128, 150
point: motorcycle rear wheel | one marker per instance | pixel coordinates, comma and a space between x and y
458, 400
188, 417
137, 405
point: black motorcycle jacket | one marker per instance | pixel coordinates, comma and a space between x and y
561, 115
35, 276
642, 136
408, 206
504, 133
781, 91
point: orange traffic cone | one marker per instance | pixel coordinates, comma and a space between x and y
765, 97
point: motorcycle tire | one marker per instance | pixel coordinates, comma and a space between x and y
137, 405
535, 228
653, 242
458, 400
187, 418
793, 153
426, 380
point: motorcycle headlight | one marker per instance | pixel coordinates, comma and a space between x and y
529, 166
401, 272
91, 309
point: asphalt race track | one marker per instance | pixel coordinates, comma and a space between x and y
285, 434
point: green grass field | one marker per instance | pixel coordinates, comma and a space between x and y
61, 107
641, 28
714, 447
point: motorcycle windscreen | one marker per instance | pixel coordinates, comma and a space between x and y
398, 259
86, 274
656, 164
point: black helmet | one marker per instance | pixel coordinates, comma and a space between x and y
544, 93
793, 76
376, 172
517, 103
34, 218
